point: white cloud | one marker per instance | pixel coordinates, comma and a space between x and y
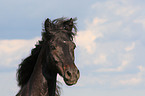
129, 48
134, 79
140, 20
126, 80
97, 20
141, 68
131, 81
86, 39
12, 51
8, 84
101, 59
117, 7
118, 69
141, 73
110, 37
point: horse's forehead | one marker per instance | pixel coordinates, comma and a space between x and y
62, 37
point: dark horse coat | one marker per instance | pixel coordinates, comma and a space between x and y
54, 54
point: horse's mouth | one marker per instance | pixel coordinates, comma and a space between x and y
70, 82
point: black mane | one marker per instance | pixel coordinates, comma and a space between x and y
56, 26
26, 67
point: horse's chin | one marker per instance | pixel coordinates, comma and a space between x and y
70, 82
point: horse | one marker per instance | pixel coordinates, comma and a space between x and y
52, 55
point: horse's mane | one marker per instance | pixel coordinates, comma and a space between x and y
56, 27
26, 67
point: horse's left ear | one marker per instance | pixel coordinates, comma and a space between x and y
68, 25
47, 25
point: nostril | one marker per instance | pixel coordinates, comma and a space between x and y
78, 72
68, 73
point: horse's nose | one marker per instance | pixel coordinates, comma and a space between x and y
72, 74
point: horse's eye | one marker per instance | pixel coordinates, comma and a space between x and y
53, 48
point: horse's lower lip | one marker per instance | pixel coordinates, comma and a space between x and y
69, 82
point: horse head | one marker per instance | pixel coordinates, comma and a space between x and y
58, 36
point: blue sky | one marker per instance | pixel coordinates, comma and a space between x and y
110, 43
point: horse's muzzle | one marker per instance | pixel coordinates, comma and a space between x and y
71, 75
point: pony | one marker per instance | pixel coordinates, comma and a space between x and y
52, 55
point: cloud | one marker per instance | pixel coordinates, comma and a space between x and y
141, 73
140, 20
120, 80
110, 53
86, 40
129, 48
134, 79
117, 7
101, 59
118, 69
141, 68
131, 81
12, 51
109, 45
97, 20
8, 84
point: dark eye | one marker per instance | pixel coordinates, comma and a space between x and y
53, 48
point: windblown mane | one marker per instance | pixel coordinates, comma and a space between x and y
26, 67
56, 26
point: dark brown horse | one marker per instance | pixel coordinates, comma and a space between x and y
54, 54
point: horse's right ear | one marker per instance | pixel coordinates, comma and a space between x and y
47, 24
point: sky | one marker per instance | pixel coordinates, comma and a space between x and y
110, 43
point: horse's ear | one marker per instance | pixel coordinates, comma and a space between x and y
71, 20
68, 25
47, 25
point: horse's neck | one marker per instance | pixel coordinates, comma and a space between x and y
40, 85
